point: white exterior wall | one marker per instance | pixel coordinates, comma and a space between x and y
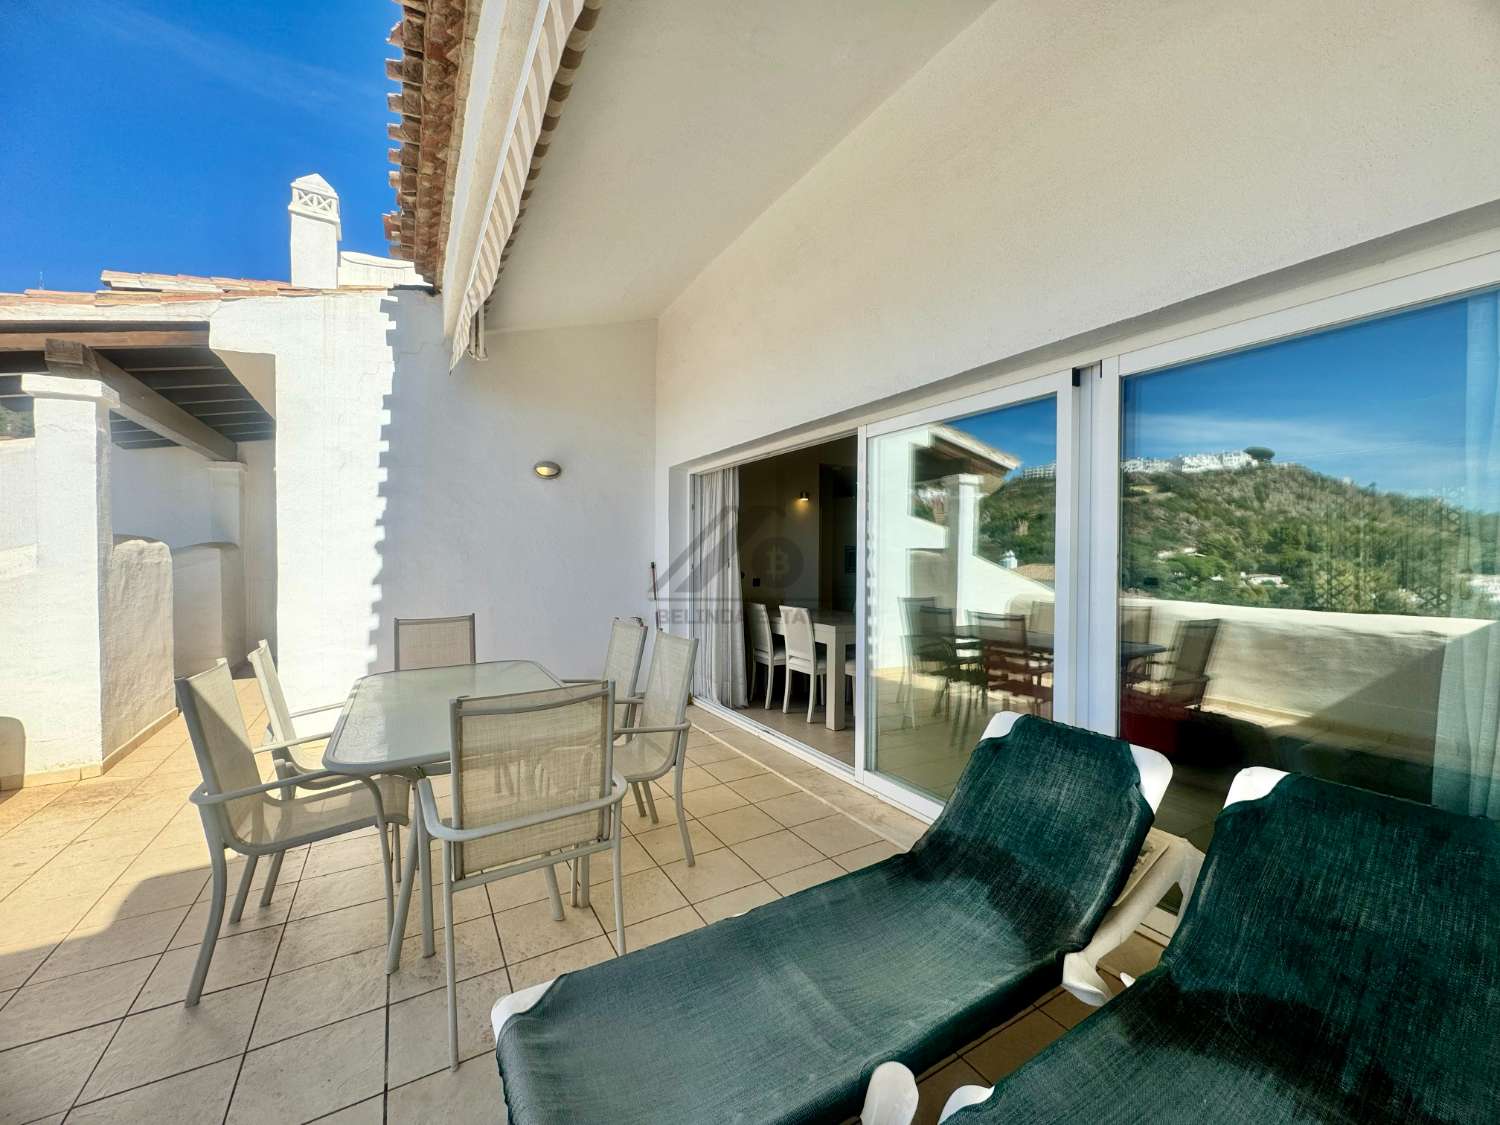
137, 641
1058, 169
161, 494
17, 493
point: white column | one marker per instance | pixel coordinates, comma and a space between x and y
226, 497
963, 538
74, 542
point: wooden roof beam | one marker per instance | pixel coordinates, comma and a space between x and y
37, 339
138, 402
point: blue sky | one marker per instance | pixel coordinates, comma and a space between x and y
162, 135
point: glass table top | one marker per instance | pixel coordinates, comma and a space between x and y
400, 720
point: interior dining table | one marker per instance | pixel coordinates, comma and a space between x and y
833, 629
401, 723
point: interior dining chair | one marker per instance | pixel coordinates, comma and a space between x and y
283, 722
802, 656
434, 642
765, 649
659, 743
242, 813
534, 784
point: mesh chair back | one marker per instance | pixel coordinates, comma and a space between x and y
1135, 623
622, 663
911, 613
796, 622
762, 640
217, 729
434, 642
1007, 650
519, 755
1195, 644
280, 715
667, 687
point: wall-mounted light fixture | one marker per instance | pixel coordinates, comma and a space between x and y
547, 469
803, 497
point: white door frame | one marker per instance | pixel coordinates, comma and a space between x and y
1068, 654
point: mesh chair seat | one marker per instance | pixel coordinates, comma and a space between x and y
781, 1014
638, 759
1339, 962
266, 819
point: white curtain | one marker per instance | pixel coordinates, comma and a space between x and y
717, 618
1466, 759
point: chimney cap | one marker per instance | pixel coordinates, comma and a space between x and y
314, 197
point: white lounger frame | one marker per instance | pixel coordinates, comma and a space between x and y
892, 1096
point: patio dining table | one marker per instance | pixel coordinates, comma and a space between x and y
399, 722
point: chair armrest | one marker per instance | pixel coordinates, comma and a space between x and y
440, 828
682, 726
1177, 862
200, 796
272, 747
317, 710
891, 1097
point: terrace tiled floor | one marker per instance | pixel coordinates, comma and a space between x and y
103, 887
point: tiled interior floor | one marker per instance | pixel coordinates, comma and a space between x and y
103, 887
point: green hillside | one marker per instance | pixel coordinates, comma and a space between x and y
1316, 542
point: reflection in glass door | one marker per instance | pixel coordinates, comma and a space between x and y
964, 539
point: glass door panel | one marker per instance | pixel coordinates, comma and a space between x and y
963, 547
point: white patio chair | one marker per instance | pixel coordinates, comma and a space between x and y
534, 784
255, 818
659, 743
283, 724
622, 664
802, 656
434, 642
765, 648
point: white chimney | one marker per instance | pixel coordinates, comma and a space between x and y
315, 233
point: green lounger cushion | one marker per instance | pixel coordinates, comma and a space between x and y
1340, 961
780, 1015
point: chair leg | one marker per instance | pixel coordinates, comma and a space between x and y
650, 802
271, 876
812, 694
451, 971
215, 918
619, 898
424, 864
583, 880
640, 802
403, 901
244, 891
573, 873
554, 893
687, 843
786, 691
396, 850
387, 861
770, 684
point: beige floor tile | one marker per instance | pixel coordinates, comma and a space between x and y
870, 853
310, 940
763, 786
570, 959
43, 1078
713, 799
661, 928
518, 890
256, 917
476, 951
933, 1091
733, 769
470, 903
338, 890
124, 940
837, 834
342, 854
320, 994
777, 853
744, 823
93, 849
638, 825
795, 808
1067, 1009
693, 778
419, 1028
1138, 956
665, 843
82, 879
633, 858
17, 966
714, 873
801, 878
238, 959
1012, 1045
157, 892
468, 1096
170, 1040
371, 1111
528, 931
52, 1007
185, 1099
704, 751
737, 901
646, 893
313, 1074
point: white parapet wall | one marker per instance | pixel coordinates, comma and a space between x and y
137, 642
208, 607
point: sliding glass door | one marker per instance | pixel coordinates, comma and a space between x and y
967, 548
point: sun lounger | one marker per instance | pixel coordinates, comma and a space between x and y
781, 1014
1339, 963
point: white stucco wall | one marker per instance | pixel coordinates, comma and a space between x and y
17, 493
1059, 168
136, 642
161, 494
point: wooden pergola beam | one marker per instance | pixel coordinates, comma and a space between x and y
35, 340
138, 402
